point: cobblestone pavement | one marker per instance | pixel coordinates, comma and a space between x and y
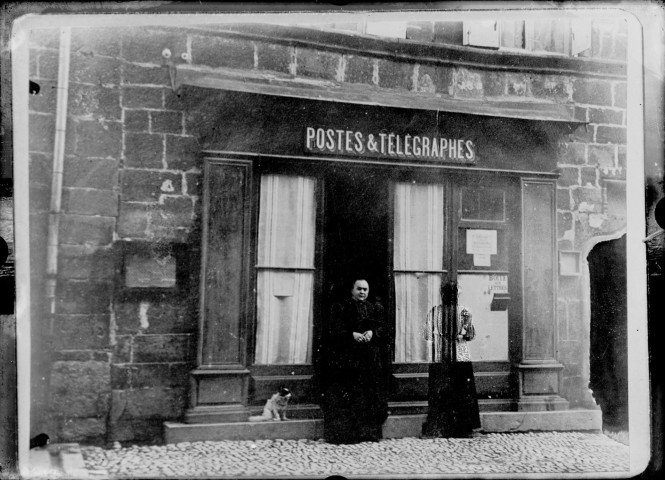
517, 453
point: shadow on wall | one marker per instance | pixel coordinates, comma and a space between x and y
609, 345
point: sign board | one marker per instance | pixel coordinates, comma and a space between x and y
389, 145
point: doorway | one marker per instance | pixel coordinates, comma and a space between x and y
356, 231
609, 347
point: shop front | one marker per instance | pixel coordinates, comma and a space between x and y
302, 195
221, 182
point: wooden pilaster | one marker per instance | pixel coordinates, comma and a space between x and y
220, 382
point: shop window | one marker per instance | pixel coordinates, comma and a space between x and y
418, 263
285, 277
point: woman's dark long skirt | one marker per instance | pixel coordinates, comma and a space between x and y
465, 408
355, 406
453, 403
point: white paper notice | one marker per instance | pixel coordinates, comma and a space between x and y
482, 260
481, 242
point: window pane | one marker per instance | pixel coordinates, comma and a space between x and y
480, 260
483, 204
284, 317
418, 227
418, 246
512, 33
548, 36
481, 33
287, 214
386, 29
415, 295
476, 292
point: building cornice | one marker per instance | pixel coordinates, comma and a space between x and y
418, 52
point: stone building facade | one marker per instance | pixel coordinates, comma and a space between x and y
112, 364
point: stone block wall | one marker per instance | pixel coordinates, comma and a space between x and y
75, 355
591, 160
44, 71
118, 364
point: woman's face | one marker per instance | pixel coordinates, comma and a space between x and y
360, 290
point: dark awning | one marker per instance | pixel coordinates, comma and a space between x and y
330, 91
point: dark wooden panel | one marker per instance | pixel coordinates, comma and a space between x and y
301, 387
214, 390
538, 209
410, 386
493, 380
265, 380
225, 262
493, 385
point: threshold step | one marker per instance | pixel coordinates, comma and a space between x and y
396, 426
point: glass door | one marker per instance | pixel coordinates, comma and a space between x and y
482, 266
456, 229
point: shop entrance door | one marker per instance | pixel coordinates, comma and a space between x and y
458, 229
356, 232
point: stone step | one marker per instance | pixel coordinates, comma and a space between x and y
396, 426
415, 407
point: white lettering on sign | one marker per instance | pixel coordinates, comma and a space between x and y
498, 283
414, 147
481, 242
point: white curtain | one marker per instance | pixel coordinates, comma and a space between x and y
418, 258
287, 223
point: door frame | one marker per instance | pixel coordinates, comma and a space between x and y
496, 380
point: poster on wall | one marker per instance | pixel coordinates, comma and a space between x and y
481, 244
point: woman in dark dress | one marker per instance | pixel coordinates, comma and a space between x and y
354, 398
